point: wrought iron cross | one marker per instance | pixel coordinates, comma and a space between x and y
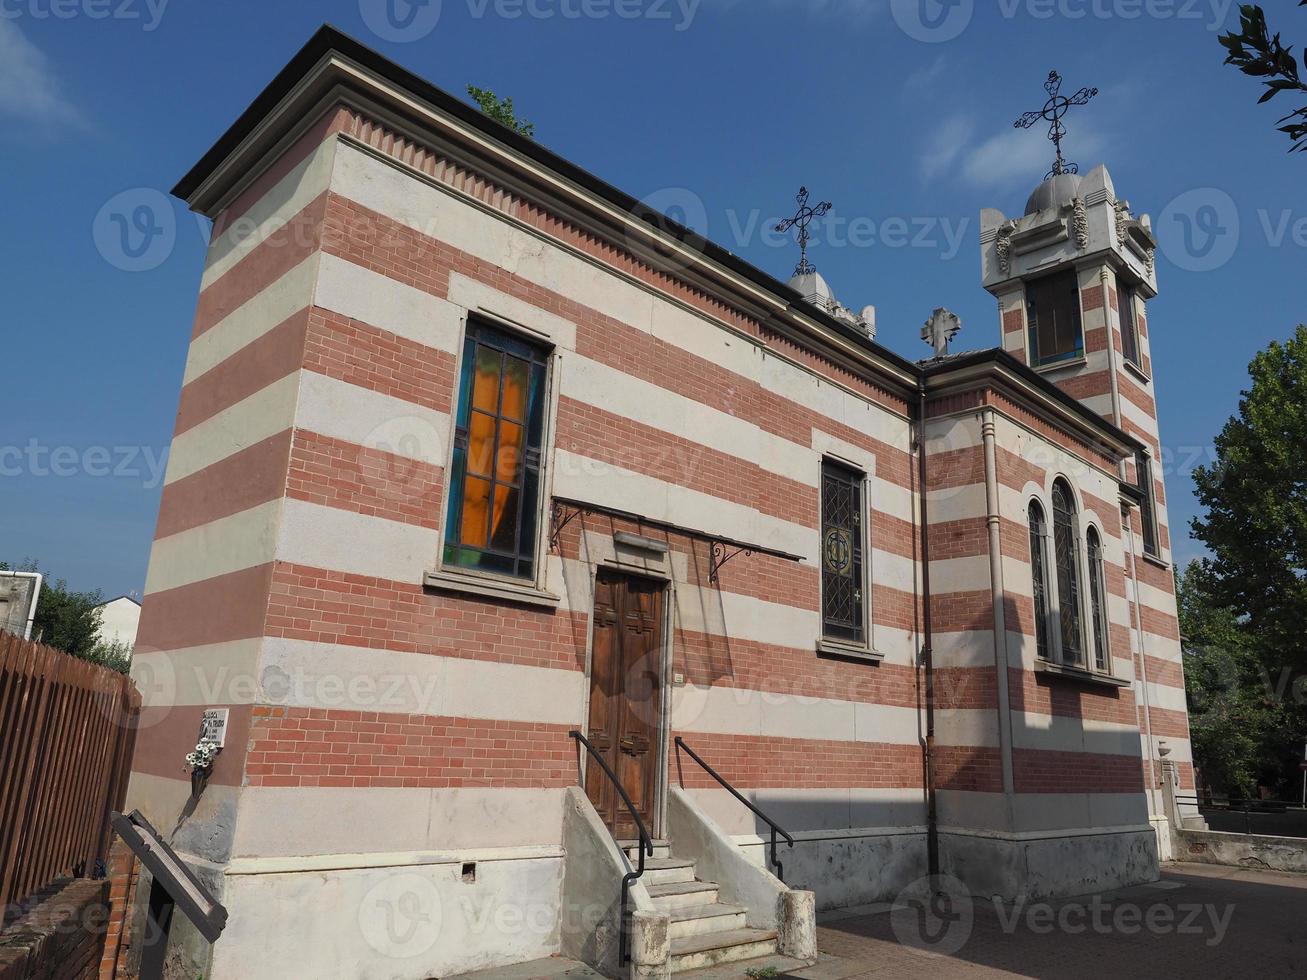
802, 218
1054, 109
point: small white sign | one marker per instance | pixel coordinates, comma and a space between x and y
213, 726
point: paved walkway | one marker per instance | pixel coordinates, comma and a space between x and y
1200, 921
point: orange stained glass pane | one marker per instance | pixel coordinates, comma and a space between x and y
485, 390
510, 452
480, 444
476, 507
516, 372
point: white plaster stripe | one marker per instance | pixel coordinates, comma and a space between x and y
1060, 733
337, 677
253, 318
215, 673
1168, 698
617, 392
273, 211
472, 294
229, 544
736, 711
1032, 816
265, 413
832, 813
356, 544
358, 415
606, 485
387, 304
965, 727
314, 820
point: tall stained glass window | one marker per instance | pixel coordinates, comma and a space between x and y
1066, 545
494, 492
842, 608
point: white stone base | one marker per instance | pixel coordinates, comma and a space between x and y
1050, 866
400, 922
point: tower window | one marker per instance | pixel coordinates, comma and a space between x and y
494, 491
1053, 314
1066, 544
1148, 510
1039, 573
1098, 602
1125, 301
842, 604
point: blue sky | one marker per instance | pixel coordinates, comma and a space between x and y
898, 111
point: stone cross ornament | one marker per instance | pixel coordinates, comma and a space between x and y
940, 330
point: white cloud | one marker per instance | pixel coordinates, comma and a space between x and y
925, 76
29, 88
1009, 157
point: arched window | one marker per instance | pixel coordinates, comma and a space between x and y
1039, 571
1066, 546
1098, 602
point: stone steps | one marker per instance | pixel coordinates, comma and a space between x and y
715, 948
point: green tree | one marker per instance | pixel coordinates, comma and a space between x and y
500, 110
1255, 51
1237, 725
66, 620
1255, 495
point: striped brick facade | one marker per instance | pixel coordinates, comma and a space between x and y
387, 713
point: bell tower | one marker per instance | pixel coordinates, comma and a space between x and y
1073, 277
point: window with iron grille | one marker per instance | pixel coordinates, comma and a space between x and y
1053, 316
1148, 509
1066, 547
1125, 301
1039, 573
842, 606
1097, 600
494, 492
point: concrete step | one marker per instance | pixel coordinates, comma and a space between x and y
662, 849
699, 920
714, 948
683, 894
665, 871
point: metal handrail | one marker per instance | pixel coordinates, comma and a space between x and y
1235, 804
646, 842
775, 827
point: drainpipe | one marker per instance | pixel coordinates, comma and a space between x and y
1154, 805
994, 521
927, 654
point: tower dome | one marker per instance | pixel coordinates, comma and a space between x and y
1054, 192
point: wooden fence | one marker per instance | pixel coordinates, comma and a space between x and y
67, 730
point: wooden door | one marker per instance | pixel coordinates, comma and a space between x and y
626, 698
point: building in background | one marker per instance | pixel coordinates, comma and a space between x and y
474, 452
19, 594
119, 620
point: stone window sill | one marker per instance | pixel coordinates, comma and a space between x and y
443, 580
848, 651
1136, 370
1053, 366
1155, 560
1079, 674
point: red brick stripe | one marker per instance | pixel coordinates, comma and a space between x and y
1043, 771
217, 610
253, 476
346, 476
752, 762
358, 749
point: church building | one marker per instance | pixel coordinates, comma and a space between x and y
571, 586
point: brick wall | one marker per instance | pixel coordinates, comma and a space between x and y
59, 934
